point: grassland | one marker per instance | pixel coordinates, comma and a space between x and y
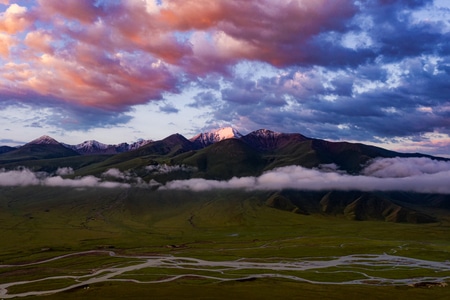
39, 223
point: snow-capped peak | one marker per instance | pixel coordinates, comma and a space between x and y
211, 137
226, 133
89, 147
44, 140
138, 144
95, 147
91, 144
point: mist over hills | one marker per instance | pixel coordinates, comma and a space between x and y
370, 182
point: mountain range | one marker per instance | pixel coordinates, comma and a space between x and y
218, 154
225, 154
95, 147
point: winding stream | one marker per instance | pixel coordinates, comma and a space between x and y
361, 264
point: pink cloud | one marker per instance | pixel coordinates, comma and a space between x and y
191, 14
108, 86
258, 30
14, 19
128, 53
6, 42
15, 72
39, 40
83, 11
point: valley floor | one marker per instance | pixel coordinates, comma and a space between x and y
367, 270
111, 244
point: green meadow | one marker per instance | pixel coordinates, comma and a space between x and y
40, 223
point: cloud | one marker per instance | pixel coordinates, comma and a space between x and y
100, 54
420, 175
168, 109
25, 177
84, 11
45, 112
18, 178
321, 103
90, 78
165, 169
14, 19
246, 30
64, 171
399, 167
429, 177
39, 40
115, 173
87, 181
127, 177
6, 43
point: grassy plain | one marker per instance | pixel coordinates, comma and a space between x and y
38, 223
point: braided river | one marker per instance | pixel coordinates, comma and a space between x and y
368, 269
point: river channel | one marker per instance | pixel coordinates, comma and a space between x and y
363, 265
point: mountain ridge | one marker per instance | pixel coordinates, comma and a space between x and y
261, 139
258, 151
94, 147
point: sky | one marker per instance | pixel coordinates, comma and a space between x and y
370, 71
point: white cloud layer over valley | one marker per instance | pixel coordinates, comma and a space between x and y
421, 175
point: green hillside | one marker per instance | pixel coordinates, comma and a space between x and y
224, 160
33, 218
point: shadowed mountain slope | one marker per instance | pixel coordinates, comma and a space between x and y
5, 149
267, 140
35, 152
360, 206
225, 159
